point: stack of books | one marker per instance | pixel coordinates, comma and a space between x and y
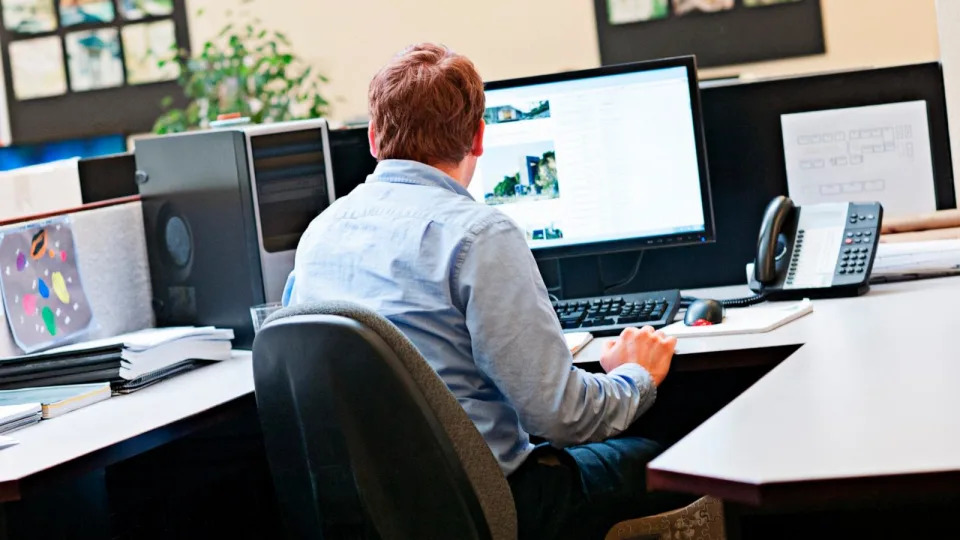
13, 417
54, 401
128, 362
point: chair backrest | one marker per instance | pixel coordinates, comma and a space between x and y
364, 439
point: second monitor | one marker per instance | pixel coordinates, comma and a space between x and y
600, 160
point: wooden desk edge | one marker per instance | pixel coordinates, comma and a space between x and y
811, 493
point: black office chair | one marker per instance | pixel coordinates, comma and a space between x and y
363, 438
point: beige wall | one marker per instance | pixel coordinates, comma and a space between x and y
348, 41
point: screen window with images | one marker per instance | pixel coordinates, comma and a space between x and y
592, 160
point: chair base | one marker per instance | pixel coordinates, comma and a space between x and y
702, 520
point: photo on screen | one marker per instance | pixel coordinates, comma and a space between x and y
631, 11
520, 173
145, 46
518, 112
93, 57
29, 16
761, 3
134, 10
37, 68
74, 12
686, 7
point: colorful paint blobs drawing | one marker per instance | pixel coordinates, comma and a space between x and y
49, 320
30, 304
37, 243
60, 288
45, 283
42, 288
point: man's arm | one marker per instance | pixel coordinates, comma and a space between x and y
517, 342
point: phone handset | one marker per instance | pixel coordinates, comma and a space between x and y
771, 246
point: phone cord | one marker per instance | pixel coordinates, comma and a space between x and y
731, 303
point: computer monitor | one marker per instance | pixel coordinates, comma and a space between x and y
600, 160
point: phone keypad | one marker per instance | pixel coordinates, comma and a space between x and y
858, 242
853, 261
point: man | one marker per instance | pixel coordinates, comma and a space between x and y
457, 277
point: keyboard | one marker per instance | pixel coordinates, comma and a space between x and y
606, 315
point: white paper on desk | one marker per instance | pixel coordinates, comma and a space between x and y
874, 153
7, 442
576, 341
751, 320
930, 257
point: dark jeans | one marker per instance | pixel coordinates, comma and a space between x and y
583, 491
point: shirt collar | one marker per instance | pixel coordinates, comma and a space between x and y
402, 171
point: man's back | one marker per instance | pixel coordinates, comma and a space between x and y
455, 277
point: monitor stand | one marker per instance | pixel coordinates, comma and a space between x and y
579, 277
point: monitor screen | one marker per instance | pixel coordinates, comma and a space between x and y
600, 160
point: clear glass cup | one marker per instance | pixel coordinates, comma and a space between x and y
261, 312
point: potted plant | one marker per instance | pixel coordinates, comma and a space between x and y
246, 70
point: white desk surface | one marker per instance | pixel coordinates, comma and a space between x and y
874, 392
120, 418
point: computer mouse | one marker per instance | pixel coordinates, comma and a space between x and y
704, 313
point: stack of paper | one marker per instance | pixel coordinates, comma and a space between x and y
154, 349
57, 400
17, 416
137, 358
917, 258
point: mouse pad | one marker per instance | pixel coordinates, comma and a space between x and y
41, 287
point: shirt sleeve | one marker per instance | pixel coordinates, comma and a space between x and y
518, 343
288, 289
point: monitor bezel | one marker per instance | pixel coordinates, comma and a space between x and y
646, 242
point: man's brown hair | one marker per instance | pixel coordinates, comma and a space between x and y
426, 105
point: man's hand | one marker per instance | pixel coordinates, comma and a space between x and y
651, 350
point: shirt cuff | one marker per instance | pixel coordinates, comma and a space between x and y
642, 380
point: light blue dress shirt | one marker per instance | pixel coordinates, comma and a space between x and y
457, 277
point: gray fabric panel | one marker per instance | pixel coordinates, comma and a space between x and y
112, 257
481, 467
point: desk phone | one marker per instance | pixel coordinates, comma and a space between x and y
815, 251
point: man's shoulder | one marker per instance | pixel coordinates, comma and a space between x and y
477, 217
437, 205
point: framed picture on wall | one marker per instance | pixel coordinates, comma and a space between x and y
134, 10
718, 32
101, 57
144, 46
37, 68
29, 16
94, 60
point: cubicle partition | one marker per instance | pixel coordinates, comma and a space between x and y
111, 258
747, 168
